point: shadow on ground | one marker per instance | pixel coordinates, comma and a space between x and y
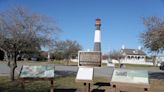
98, 90
65, 90
156, 75
100, 84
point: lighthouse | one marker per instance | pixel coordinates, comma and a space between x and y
97, 37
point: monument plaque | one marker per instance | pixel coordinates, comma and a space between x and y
89, 58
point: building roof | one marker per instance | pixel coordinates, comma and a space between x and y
132, 52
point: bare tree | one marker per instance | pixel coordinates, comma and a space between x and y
153, 38
65, 49
22, 31
116, 54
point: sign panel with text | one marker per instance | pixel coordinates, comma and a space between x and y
89, 58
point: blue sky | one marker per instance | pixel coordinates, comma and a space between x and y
121, 19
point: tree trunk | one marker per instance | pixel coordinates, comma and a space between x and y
12, 72
13, 66
119, 65
154, 59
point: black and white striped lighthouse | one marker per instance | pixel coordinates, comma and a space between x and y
97, 38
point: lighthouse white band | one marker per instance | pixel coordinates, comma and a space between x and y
97, 36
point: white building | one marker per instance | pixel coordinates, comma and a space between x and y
133, 56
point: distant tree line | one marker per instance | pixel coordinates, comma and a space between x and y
66, 50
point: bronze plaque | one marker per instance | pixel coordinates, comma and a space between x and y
90, 58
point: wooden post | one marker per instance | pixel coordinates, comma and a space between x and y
52, 86
85, 87
114, 88
88, 87
23, 85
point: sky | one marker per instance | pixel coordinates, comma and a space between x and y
121, 20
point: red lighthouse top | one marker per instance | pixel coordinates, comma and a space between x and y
98, 23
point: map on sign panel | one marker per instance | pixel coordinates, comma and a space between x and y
40, 71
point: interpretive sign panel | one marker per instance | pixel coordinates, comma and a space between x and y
41, 71
123, 78
89, 58
84, 74
130, 76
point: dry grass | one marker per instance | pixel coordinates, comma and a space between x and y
68, 84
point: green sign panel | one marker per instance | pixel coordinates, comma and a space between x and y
130, 76
41, 71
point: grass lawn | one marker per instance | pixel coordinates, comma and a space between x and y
76, 63
62, 84
68, 84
